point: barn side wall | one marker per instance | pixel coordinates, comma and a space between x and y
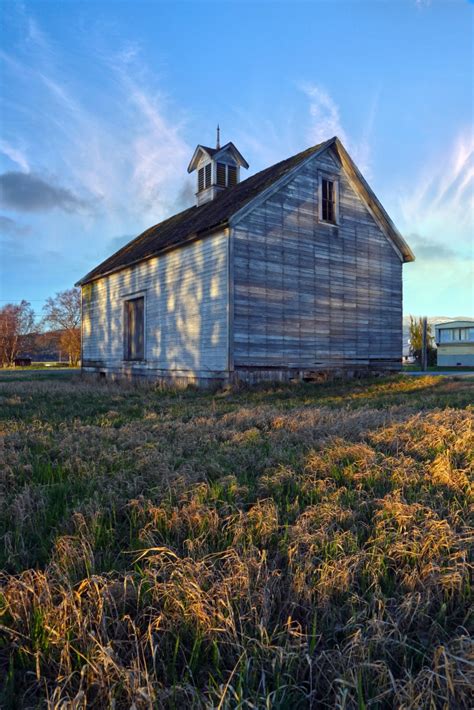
186, 316
308, 296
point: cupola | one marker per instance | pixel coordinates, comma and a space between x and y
217, 169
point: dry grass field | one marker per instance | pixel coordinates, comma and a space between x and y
282, 547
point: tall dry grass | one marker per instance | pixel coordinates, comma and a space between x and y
276, 548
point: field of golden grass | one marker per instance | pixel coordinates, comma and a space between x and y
282, 547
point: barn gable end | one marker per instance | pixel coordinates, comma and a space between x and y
309, 295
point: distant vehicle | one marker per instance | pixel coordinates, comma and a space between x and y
455, 341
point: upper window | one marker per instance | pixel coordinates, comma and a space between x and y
445, 335
448, 335
134, 329
328, 200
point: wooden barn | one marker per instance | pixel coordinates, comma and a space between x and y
293, 271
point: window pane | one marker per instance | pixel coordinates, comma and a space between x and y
330, 211
328, 207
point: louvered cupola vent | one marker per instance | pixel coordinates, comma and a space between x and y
217, 169
221, 175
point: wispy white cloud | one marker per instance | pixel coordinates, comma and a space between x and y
111, 148
436, 210
35, 34
325, 122
159, 153
441, 202
270, 139
130, 155
324, 113
16, 155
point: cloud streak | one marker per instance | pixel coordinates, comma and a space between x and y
128, 153
15, 155
324, 113
438, 208
326, 122
441, 202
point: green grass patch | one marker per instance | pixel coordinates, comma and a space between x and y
282, 546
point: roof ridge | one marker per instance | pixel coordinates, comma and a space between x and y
181, 227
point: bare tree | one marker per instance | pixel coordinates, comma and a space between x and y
63, 312
17, 321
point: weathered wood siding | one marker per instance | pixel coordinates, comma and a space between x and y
186, 314
310, 295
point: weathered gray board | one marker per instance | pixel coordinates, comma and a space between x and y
308, 295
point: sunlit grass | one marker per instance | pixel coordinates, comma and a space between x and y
284, 547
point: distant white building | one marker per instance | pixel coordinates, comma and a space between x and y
455, 342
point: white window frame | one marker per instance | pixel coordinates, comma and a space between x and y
335, 180
132, 297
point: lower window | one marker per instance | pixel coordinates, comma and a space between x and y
134, 329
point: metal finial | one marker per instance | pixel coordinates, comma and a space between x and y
218, 143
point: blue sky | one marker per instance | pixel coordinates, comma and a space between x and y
102, 104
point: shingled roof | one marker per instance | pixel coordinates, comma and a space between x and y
198, 220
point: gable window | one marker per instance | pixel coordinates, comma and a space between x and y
204, 177
328, 200
134, 329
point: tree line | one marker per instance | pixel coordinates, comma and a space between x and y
19, 327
